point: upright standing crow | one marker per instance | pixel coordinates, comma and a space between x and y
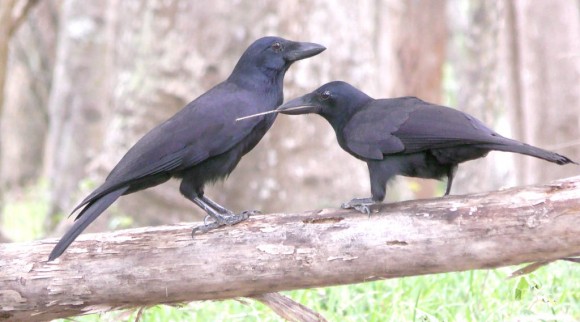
202, 142
404, 136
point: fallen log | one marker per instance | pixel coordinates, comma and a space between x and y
276, 252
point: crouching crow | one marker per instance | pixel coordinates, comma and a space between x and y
404, 136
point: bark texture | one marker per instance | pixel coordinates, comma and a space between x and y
24, 121
78, 102
546, 82
12, 14
479, 86
270, 253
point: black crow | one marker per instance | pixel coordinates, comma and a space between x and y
404, 136
202, 142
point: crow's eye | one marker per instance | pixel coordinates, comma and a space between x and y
325, 95
277, 47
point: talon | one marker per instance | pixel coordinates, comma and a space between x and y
205, 228
360, 205
363, 209
193, 231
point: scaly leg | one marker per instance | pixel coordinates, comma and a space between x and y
379, 173
360, 204
450, 174
221, 216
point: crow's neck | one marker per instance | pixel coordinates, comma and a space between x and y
259, 79
339, 120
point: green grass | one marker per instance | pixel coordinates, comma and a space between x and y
551, 293
24, 213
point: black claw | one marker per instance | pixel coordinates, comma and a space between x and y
205, 228
363, 209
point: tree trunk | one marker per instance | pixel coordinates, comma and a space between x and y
24, 122
12, 14
479, 87
545, 87
415, 64
79, 101
164, 61
269, 253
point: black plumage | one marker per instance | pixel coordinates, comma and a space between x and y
404, 136
202, 142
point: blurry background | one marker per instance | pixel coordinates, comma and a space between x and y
83, 80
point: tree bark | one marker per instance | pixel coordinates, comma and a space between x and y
24, 122
544, 72
270, 253
12, 14
474, 60
416, 66
79, 101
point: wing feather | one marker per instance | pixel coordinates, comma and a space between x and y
409, 125
201, 130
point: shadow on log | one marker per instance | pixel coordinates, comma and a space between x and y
276, 252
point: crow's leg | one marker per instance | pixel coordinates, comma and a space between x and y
228, 212
216, 206
379, 172
220, 215
220, 219
450, 174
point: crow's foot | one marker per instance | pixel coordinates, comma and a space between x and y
359, 204
220, 220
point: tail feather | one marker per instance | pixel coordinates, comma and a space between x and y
85, 217
522, 148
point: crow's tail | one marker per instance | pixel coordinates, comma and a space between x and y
522, 148
86, 216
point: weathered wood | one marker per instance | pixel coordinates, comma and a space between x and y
275, 252
288, 309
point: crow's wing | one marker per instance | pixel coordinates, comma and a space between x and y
204, 128
409, 125
368, 133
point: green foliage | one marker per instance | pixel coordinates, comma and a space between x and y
24, 213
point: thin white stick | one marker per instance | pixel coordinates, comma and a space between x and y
274, 111
254, 115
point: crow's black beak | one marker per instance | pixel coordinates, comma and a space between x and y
301, 50
300, 105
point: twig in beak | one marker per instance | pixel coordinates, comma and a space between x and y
254, 115
274, 111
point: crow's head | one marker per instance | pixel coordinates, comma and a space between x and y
274, 55
334, 100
